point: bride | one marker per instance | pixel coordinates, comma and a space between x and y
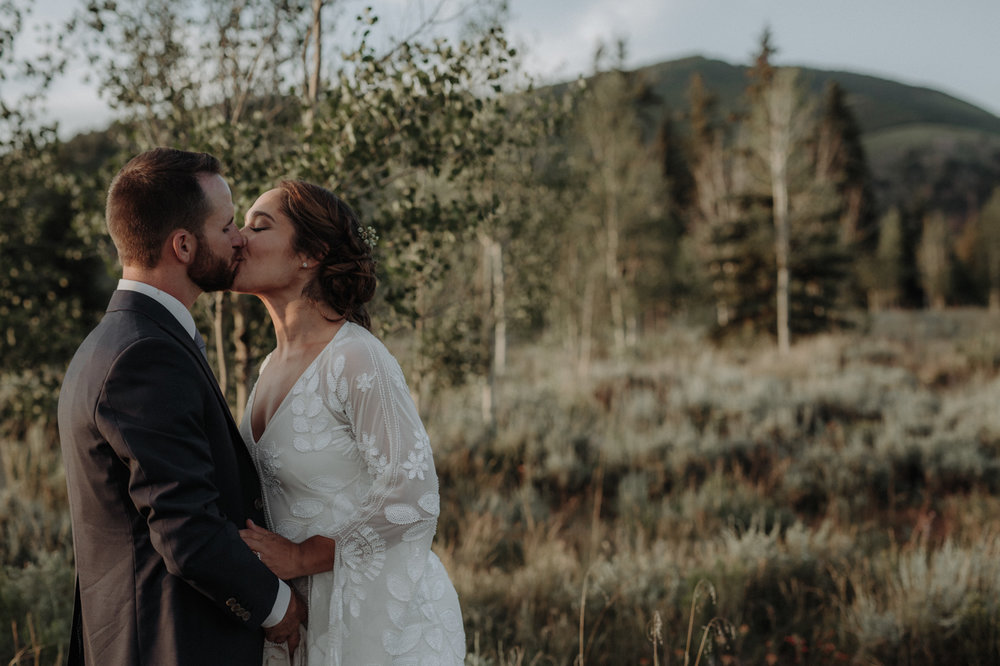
350, 489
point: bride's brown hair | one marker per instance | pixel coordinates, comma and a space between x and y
327, 229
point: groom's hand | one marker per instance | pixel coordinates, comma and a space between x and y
287, 631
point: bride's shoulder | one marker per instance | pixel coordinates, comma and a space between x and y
358, 347
358, 358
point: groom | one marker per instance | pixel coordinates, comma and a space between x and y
159, 479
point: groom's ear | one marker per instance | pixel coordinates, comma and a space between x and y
182, 244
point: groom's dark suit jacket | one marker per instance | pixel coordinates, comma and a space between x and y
159, 483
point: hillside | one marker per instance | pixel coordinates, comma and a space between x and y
879, 104
917, 140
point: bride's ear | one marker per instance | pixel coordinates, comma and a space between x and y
307, 262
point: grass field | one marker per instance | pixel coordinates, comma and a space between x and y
689, 504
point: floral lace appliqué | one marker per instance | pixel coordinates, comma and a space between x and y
269, 462
416, 462
415, 465
363, 553
431, 503
421, 442
364, 382
376, 460
398, 378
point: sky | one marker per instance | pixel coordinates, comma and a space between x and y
949, 46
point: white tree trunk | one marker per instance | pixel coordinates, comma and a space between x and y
781, 251
586, 328
241, 356
312, 70
782, 136
612, 271
494, 269
499, 309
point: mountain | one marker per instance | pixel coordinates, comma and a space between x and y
878, 104
919, 142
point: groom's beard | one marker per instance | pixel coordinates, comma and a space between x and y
210, 271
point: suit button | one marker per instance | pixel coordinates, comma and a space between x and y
230, 602
258, 504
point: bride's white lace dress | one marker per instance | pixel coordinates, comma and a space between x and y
347, 457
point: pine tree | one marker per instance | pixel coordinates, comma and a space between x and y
716, 226
988, 236
841, 163
840, 160
768, 214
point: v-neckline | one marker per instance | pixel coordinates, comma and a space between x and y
291, 389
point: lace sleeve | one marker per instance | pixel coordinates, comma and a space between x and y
366, 385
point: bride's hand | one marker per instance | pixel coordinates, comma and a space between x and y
288, 559
278, 553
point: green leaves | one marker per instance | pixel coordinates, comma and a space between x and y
404, 133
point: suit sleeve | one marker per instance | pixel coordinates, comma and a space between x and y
153, 412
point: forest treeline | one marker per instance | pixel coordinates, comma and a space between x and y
585, 213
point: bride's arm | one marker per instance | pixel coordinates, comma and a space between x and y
401, 504
288, 559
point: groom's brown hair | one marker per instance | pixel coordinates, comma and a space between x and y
155, 193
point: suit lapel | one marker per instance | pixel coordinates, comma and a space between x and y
124, 299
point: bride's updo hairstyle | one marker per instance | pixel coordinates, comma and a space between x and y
327, 230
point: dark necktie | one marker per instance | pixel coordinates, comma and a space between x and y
200, 341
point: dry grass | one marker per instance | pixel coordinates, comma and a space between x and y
839, 502
793, 485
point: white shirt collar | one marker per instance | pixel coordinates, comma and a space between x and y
174, 306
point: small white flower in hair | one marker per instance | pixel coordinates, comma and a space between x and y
368, 235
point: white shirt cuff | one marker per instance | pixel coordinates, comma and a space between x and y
280, 605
